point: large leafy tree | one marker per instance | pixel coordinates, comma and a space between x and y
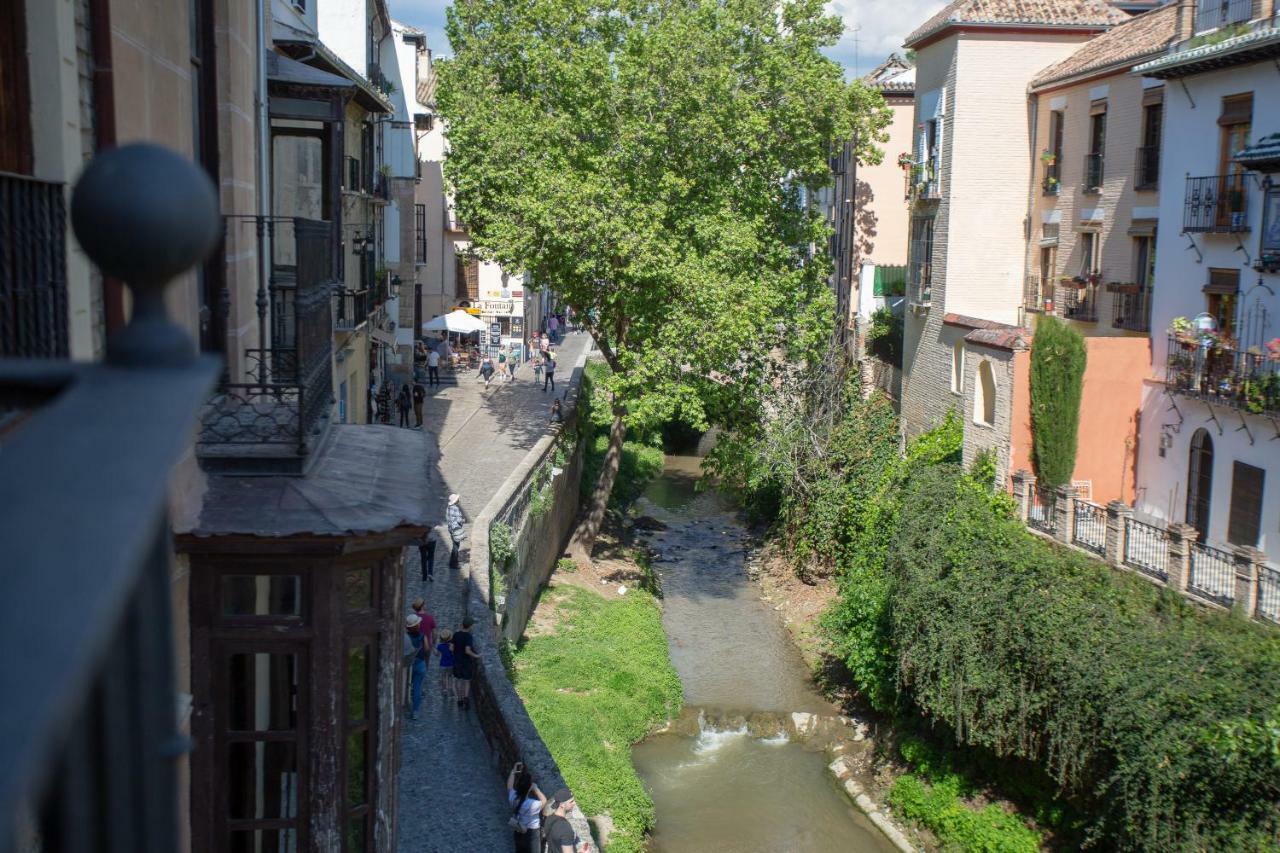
649, 161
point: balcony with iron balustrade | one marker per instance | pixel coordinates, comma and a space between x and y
1241, 380
1093, 173
1216, 204
1077, 298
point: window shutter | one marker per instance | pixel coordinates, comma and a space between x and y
1223, 281
1246, 505
1237, 109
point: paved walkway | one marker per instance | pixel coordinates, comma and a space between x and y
452, 797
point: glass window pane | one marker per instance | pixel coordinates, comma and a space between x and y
357, 752
263, 693
262, 595
262, 780
264, 841
357, 681
356, 834
359, 586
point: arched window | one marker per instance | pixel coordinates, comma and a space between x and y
1200, 481
957, 368
984, 395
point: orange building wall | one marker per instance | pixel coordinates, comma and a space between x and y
1106, 446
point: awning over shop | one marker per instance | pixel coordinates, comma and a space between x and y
455, 321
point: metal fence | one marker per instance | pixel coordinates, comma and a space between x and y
1213, 573
1216, 203
1131, 311
1090, 526
1269, 593
1041, 513
1146, 548
1211, 14
33, 268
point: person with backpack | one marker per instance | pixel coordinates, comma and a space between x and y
412, 627
526, 803
558, 835
550, 372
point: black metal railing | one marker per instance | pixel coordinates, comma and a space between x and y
33, 269
91, 737
1146, 167
1146, 548
1034, 297
1131, 310
1089, 526
1211, 14
1216, 203
1093, 173
1213, 573
1042, 513
351, 309
283, 394
1078, 301
1249, 381
382, 186
1052, 181
920, 273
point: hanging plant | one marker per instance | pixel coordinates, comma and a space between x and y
1048, 158
905, 161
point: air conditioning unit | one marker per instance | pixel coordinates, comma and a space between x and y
423, 121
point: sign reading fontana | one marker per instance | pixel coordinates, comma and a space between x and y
504, 307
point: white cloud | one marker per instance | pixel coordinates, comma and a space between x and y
881, 27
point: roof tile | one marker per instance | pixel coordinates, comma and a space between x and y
1055, 13
1146, 35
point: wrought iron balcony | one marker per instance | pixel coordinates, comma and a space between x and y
1248, 381
1035, 297
33, 268
1146, 168
1211, 14
1052, 182
1078, 300
1131, 308
351, 309
267, 418
1093, 173
1217, 203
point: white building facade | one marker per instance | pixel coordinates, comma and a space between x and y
1209, 445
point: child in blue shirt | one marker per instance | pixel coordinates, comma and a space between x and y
444, 648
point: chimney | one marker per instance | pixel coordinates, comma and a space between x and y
1186, 23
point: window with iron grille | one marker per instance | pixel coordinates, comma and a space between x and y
420, 232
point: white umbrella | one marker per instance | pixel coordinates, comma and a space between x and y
455, 321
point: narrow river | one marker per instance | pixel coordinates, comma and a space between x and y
731, 780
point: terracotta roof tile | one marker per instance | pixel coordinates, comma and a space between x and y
1052, 13
1141, 37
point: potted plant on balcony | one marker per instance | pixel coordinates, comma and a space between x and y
1048, 157
1182, 330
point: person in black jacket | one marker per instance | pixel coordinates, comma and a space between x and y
404, 401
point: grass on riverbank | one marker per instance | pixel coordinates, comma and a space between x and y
595, 683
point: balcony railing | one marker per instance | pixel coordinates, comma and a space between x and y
1052, 179
1078, 301
1212, 14
920, 274
33, 269
1146, 167
1131, 310
1035, 296
1247, 381
1213, 573
1093, 173
351, 309
285, 393
1146, 548
1217, 203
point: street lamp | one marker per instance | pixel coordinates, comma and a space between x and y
395, 287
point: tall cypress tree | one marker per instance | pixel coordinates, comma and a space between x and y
1057, 381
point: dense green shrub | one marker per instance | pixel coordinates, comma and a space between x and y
595, 687
641, 461
1057, 380
938, 807
884, 336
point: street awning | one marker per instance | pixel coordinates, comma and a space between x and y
455, 321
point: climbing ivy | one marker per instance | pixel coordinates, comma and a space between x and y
1057, 380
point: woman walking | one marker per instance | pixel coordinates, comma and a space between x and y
512, 363
486, 370
464, 661
526, 803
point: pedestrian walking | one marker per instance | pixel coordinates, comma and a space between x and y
404, 402
433, 368
526, 803
538, 364
512, 363
412, 627
550, 370
552, 325
384, 401
557, 833
419, 394
456, 521
464, 662
427, 555
486, 369
444, 648
427, 627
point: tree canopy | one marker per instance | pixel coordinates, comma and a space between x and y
650, 161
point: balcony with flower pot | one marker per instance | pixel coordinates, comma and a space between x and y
1210, 367
1078, 297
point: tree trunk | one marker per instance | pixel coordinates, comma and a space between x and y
584, 538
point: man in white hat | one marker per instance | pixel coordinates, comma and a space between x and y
454, 518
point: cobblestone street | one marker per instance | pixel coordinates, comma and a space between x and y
451, 794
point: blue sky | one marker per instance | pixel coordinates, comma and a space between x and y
873, 28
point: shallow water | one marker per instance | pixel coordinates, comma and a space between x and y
727, 790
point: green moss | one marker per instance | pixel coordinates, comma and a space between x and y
596, 686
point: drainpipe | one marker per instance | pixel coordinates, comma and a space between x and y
104, 134
265, 249
1030, 251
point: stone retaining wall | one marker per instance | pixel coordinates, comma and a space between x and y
507, 726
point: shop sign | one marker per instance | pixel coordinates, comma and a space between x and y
498, 306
